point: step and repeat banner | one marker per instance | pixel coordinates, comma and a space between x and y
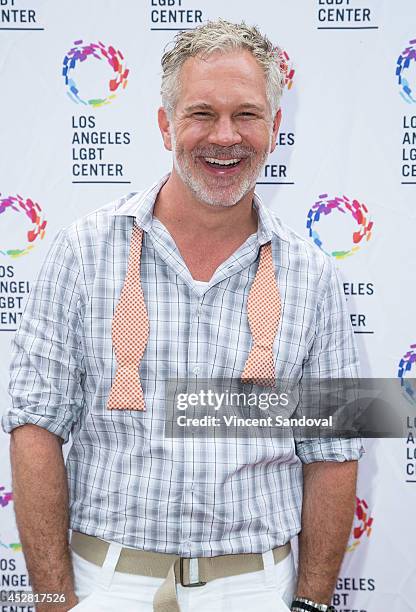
79, 95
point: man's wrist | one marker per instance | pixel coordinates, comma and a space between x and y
302, 604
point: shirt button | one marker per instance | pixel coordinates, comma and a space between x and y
195, 370
198, 311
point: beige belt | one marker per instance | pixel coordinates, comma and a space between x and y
172, 567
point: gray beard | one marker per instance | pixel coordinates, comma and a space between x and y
203, 193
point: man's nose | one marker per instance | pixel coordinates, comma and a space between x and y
224, 132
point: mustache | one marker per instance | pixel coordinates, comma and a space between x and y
224, 152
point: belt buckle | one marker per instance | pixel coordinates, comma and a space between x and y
191, 584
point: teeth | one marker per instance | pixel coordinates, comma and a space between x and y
222, 162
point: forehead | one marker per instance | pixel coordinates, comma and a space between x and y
235, 76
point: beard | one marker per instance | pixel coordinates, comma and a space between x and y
213, 190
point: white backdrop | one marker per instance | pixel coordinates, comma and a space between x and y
348, 131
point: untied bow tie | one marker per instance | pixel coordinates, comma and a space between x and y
130, 328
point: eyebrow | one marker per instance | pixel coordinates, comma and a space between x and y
252, 106
205, 106
200, 106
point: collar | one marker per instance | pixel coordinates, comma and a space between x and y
141, 204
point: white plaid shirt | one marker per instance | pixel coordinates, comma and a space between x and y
129, 483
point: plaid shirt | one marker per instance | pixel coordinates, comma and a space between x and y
128, 482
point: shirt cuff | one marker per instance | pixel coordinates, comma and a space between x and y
329, 449
60, 427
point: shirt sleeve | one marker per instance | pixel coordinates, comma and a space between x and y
333, 355
46, 369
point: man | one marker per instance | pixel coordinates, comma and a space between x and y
165, 285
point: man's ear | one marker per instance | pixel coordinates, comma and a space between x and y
276, 125
164, 126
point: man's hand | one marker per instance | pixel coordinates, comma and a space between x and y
39, 472
329, 490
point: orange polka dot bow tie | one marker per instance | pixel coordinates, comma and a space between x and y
130, 329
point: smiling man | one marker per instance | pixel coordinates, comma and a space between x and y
221, 137
192, 278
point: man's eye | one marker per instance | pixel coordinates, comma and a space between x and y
202, 115
248, 115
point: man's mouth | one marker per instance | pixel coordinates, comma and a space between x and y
220, 167
222, 163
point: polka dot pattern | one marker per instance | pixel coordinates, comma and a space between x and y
130, 329
264, 311
130, 332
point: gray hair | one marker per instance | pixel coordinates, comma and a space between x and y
222, 36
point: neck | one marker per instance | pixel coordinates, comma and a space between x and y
179, 210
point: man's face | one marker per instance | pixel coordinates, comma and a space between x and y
221, 131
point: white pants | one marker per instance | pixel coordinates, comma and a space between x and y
104, 590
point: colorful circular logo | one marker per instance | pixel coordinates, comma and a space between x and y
362, 524
285, 65
404, 61
359, 212
405, 365
80, 53
6, 497
33, 211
